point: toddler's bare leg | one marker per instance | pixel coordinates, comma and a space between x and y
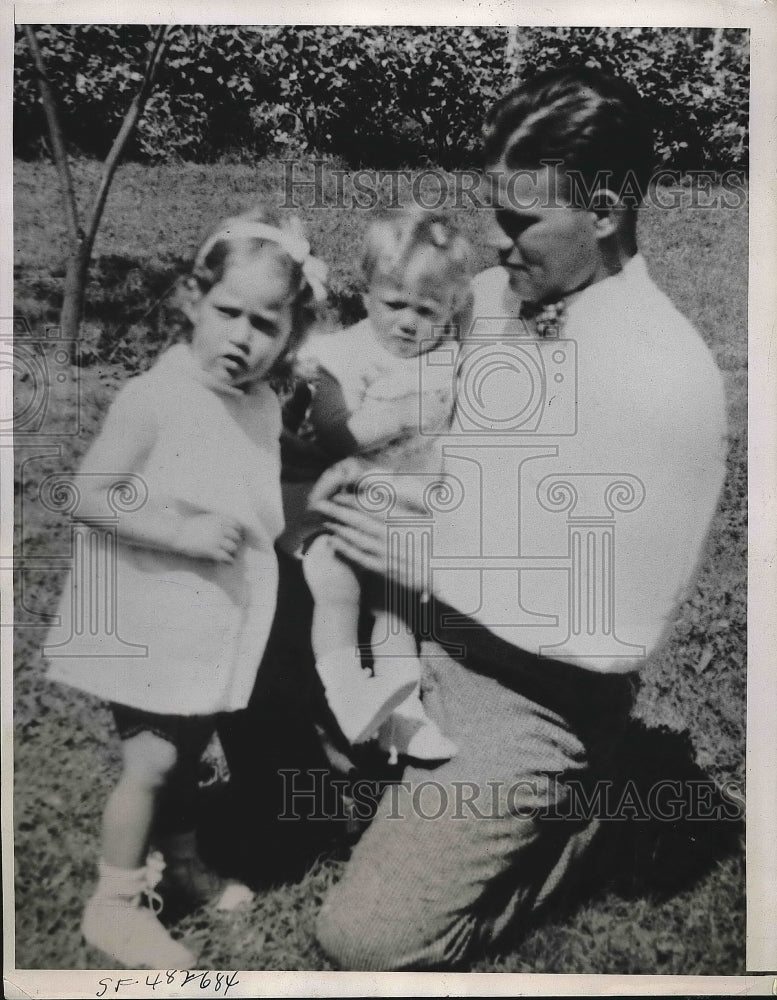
359, 701
335, 589
393, 639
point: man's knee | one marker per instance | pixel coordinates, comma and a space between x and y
354, 942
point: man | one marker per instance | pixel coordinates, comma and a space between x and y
584, 399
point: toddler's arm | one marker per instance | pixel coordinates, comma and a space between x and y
118, 452
344, 430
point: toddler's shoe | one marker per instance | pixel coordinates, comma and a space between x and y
410, 731
361, 702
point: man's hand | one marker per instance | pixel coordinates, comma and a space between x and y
359, 534
341, 477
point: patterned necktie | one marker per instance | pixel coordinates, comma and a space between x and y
548, 318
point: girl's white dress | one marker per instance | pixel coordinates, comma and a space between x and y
204, 625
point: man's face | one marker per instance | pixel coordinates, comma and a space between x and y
549, 247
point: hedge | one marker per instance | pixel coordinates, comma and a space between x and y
369, 96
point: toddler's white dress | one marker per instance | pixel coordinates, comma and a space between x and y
204, 624
414, 393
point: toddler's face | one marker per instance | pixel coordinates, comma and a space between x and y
242, 325
408, 315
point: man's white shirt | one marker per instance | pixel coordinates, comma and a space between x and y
587, 469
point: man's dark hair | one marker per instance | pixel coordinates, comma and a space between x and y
595, 124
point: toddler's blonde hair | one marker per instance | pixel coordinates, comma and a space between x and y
392, 241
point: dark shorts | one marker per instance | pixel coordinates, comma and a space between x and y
183, 731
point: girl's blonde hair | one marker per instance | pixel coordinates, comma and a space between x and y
233, 242
391, 243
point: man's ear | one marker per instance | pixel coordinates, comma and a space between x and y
604, 206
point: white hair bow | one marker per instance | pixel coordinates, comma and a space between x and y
291, 240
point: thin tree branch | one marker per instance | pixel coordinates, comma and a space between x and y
512, 51
127, 126
75, 232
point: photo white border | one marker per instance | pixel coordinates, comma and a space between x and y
761, 19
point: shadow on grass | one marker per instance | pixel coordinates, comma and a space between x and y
144, 288
675, 822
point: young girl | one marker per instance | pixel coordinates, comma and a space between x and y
197, 573
375, 396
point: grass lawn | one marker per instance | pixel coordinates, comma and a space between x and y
670, 897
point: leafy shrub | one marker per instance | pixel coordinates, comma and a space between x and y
371, 96
695, 81
391, 96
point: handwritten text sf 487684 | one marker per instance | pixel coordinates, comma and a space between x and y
195, 983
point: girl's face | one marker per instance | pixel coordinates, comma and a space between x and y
242, 325
408, 315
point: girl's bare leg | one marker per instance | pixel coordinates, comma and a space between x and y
129, 812
114, 920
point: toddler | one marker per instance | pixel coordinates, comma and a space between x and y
376, 396
197, 571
